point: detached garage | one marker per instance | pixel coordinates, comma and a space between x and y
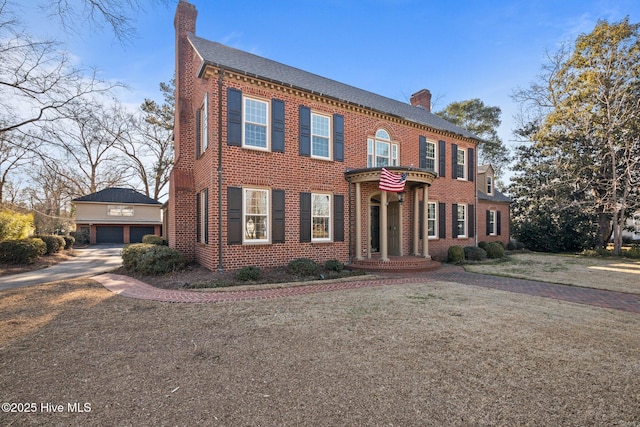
118, 215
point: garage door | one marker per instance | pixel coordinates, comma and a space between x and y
136, 233
109, 234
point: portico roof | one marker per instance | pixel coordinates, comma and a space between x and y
414, 175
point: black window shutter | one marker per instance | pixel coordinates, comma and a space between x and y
338, 137
206, 215
422, 153
234, 215
471, 221
198, 134
442, 220
338, 218
454, 161
305, 131
442, 157
454, 220
305, 217
488, 223
498, 225
277, 207
277, 125
198, 217
471, 164
234, 117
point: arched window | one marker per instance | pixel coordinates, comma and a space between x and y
381, 151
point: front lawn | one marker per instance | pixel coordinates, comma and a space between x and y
610, 273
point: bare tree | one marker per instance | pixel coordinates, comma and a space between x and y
119, 15
149, 144
85, 148
15, 152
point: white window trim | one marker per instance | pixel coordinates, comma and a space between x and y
119, 210
465, 220
267, 126
204, 124
435, 155
329, 137
394, 151
330, 222
464, 164
489, 185
435, 220
203, 218
245, 239
494, 228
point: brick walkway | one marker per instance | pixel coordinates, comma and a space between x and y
132, 288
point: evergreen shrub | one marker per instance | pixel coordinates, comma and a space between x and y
21, 251
455, 254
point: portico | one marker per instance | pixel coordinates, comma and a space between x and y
388, 225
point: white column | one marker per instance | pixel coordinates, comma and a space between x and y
358, 223
425, 223
416, 222
384, 255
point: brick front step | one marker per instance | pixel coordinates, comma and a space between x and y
396, 263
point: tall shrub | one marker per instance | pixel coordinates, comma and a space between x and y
15, 225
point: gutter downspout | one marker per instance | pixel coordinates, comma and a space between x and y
220, 82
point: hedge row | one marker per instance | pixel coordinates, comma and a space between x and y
147, 258
22, 251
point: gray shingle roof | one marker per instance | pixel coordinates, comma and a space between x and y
219, 55
498, 196
118, 195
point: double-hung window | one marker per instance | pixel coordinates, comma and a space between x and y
320, 217
461, 165
381, 151
256, 215
320, 136
491, 223
432, 218
255, 123
462, 221
430, 156
489, 185
203, 117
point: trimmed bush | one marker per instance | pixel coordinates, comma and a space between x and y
146, 258
474, 253
82, 237
334, 265
495, 250
303, 267
483, 245
54, 243
68, 241
249, 273
511, 246
21, 251
152, 239
455, 254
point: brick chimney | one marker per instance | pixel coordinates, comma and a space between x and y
422, 98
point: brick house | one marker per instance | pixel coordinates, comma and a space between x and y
117, 215
493, 209
274, 163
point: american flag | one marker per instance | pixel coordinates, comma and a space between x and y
392, 182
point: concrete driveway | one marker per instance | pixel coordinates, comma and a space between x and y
90, 261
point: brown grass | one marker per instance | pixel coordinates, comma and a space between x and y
610, 273
419, 354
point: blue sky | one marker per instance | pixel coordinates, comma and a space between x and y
457, 49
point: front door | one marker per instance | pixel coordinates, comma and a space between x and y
375, 228
393, 222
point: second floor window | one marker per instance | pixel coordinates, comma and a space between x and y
381, 151
320, 136
255, 120
431, 156
461, 165
119, 210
